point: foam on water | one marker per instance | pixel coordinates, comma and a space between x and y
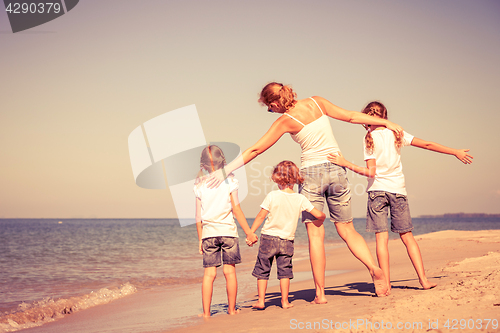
47, 310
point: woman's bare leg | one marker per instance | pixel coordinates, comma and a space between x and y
316, 235
357, 245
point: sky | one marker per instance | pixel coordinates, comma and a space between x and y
72, 90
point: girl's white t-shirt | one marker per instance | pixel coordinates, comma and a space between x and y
389, 173
284, 211
216, 210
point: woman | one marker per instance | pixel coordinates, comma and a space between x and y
307, 122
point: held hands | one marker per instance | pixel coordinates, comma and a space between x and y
337, 159
252, 239
462, 155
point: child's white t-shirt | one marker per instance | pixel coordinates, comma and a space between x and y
216, 210
389, 173
284, 210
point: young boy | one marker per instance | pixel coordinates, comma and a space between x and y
282, 208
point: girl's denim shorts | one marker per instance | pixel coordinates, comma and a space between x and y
217, 248
379, 204
327, 181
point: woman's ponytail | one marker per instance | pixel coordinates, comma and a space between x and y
287, 97
278, 93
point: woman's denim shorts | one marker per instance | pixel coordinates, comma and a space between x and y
327, 181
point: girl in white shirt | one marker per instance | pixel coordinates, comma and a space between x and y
217, 232
386, 187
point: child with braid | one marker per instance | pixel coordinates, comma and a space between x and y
386, 187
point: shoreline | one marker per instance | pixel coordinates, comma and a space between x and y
459, 261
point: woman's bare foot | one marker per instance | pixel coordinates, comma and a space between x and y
427, 285
204, 315
286, 305
380, 283
321, 300
236, 311
259, 305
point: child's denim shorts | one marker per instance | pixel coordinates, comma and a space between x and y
270, 247
213, 246
327, 181
379, 203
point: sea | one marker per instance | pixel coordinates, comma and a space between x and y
50, 268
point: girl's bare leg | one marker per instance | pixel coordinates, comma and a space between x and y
357, 245
416, 259
316, 235
261, 290
231, 287
285, 288
207, 288
383, 255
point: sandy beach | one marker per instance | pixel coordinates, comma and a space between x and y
464, 264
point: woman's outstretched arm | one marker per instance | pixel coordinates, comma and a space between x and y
278, 128
461, 154
355, 117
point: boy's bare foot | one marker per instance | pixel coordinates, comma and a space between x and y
286, 305
380, 283
236, 311
204, 315
259, 305
427, 285
321, 300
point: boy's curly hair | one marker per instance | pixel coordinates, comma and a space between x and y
287, 173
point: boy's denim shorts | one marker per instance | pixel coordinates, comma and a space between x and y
327, 181
270, 247
379, 203
213, 246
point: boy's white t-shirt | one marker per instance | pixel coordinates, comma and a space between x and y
216, 210
284, 210
389, 173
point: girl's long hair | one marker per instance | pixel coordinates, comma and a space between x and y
378, 109
278, 93
212, 159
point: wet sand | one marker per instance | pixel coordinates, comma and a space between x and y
464, 264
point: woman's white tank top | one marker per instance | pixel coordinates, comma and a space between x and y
316, 140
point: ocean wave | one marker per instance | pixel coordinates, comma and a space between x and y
47, 310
